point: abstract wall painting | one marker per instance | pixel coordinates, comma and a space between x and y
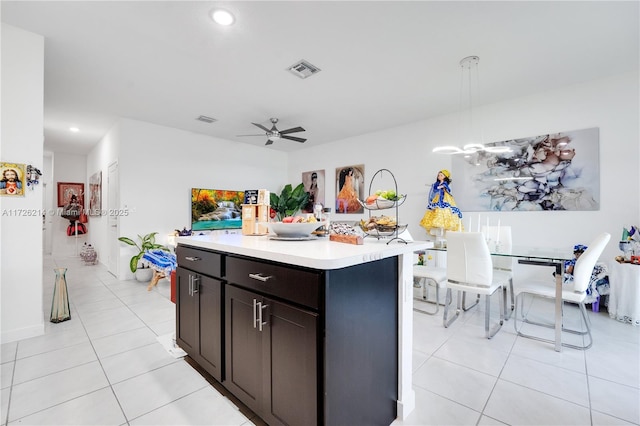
556, 171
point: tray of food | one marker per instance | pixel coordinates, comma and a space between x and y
383, 200
381, 226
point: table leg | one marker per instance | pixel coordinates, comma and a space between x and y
558, 309
157, 276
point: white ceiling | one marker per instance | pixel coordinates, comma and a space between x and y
383, 64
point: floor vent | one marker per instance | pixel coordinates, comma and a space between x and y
303, 69
206, 119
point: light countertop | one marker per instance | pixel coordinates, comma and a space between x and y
317, 254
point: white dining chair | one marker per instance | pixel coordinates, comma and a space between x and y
499, 240
470, 270
428, 276
575, 292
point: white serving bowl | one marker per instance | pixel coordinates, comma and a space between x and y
294, 230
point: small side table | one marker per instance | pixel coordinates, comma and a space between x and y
624, 296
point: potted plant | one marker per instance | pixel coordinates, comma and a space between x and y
289, 202
146, 242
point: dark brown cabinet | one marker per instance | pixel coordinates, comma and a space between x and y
199, 310
271, 357
298, 346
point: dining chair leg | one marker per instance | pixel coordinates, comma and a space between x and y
585, 318
508, 311
424, 297
447, 303
464, 297
524, 319
489, 333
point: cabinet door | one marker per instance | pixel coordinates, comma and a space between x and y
186, 312
243, 347
210, 330
291, 366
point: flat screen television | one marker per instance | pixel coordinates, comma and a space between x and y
214, 209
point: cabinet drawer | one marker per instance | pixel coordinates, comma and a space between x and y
198, 260
295, 285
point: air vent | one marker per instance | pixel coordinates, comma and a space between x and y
303, 69
206, 119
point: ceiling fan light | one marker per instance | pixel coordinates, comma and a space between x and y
222, 17
447, 149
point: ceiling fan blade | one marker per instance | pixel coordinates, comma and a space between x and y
261, 126
292, 130
261, 134
293, 138
269, 142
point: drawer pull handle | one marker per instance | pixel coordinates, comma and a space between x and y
192, 258
260, 277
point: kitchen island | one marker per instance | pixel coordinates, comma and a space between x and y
302, 332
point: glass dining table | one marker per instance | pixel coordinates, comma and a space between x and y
537, 256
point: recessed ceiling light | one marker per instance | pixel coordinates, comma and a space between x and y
222, 17
74, 129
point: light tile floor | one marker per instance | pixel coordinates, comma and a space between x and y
106, 367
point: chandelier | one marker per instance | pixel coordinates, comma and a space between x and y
469, 77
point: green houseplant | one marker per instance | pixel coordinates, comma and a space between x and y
289, 201
146, 242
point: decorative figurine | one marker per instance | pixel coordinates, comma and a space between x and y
442, 213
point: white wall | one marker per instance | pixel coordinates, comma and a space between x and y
159, 166
98, 160
610, 104
21, 140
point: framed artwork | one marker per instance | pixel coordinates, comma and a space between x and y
349, 189
66, 192
95, 194
556, 171
14, 180
314, 184
213, 209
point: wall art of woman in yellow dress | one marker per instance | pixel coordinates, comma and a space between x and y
347, 198
442, 212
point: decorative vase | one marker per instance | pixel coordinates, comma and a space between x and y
60, 304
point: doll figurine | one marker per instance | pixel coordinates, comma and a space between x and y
442, 213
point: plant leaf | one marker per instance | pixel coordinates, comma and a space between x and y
133, 263
127, 240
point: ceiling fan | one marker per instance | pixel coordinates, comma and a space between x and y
274, 134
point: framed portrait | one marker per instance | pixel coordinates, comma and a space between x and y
213, 209
95, 194
349, 189
66, 192
14, 180
314, 184
555, 171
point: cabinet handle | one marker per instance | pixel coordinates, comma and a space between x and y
196, 285
192, 258
255, 313
260, 277
260, 308
190, 285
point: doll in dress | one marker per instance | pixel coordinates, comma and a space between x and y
442, 213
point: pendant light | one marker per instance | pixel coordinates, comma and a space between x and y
470, 132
